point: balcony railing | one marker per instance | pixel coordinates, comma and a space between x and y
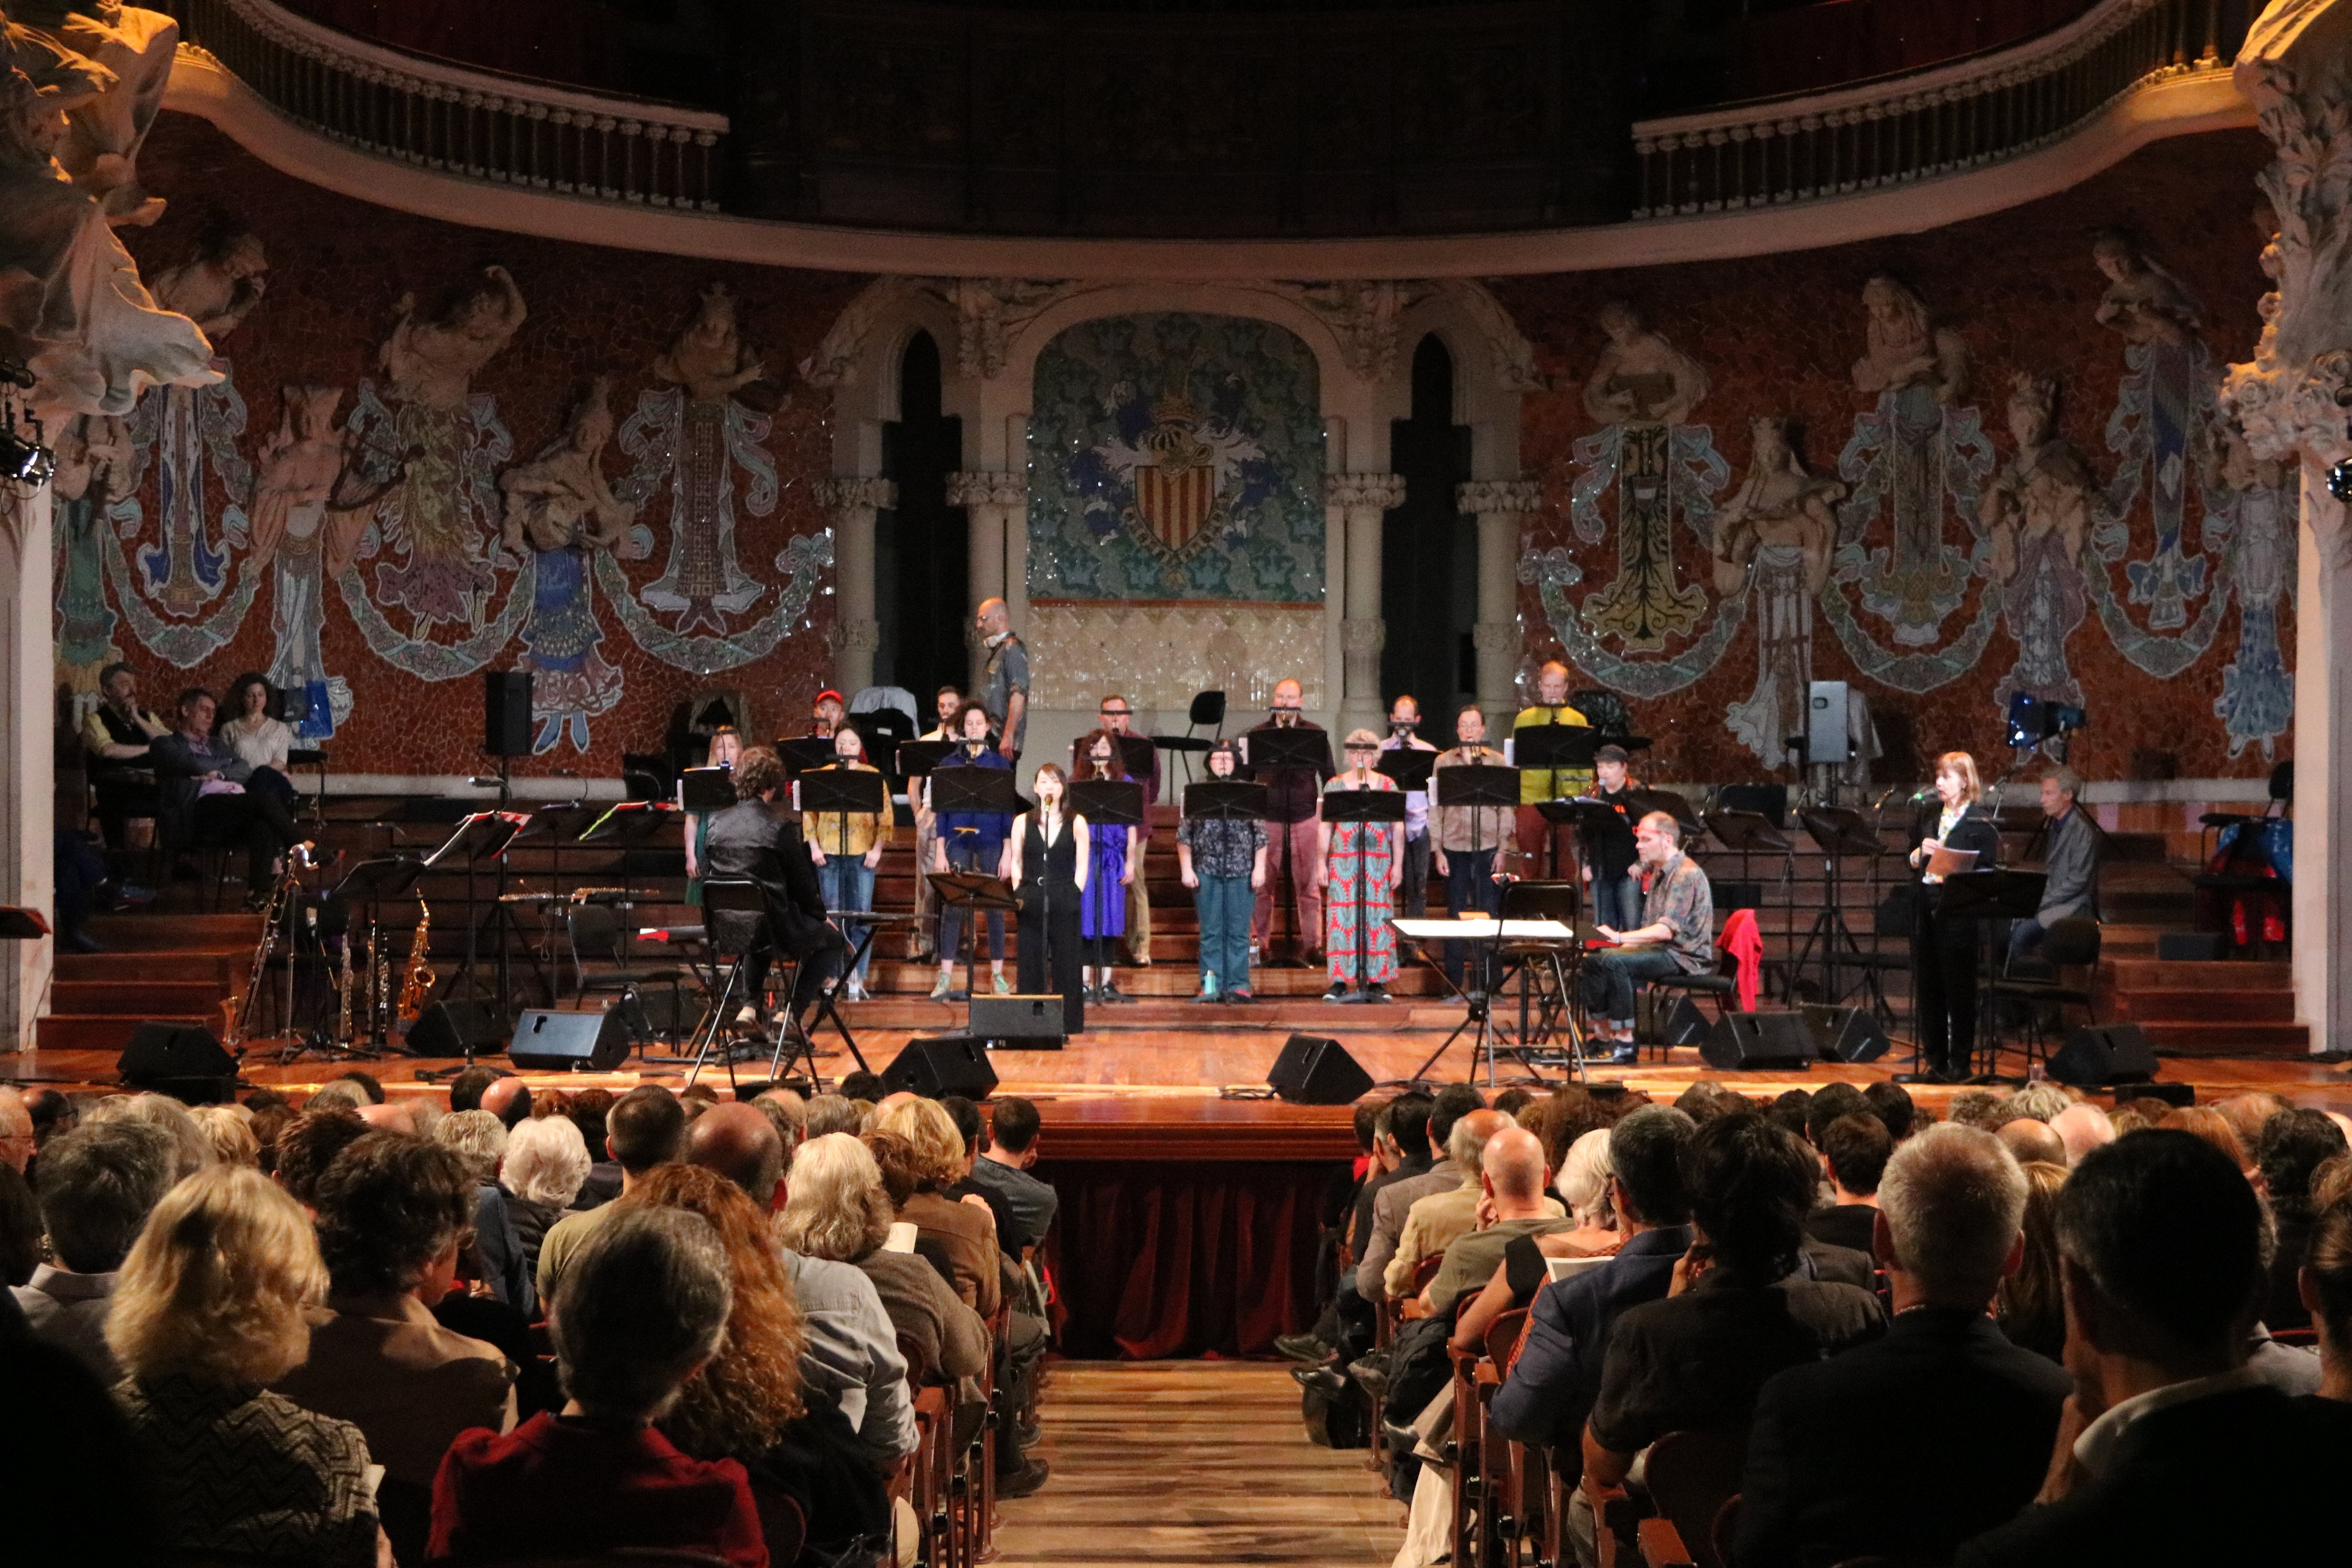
460, 121
1924, 124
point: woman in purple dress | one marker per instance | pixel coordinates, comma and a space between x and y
1115, 859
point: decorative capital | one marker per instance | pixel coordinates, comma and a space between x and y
988, 489
1364, 492
2287, 413
856, 637
1360, 638
1496, 636
854, 492
1481, 497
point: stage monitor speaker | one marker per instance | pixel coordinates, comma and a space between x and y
2189, 946
938, 1064
2104, 1054
452, 1029
1018, 1022
1748, 1041
1314, 1069
182, 1060
568, 1042
506, 712
1825, 723
1845, 1033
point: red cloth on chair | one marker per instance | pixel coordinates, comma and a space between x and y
1744, 941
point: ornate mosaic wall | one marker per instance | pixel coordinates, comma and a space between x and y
1945, 467
1160, 655
440, 449
1176, 456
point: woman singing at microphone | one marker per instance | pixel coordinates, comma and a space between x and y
1944, 948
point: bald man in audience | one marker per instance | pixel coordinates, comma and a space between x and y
740, 1143
390, 1117
1511, 1177
509, 1099
2082, 1127
1436, 1220
2030, 1141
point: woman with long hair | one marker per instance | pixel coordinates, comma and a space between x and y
2030, 1306
246, 724
1358, 870
1114, 859
1944, 947
726, 748
1049, 875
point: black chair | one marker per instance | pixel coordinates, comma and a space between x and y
1208, 708
2068, 943
1723, 986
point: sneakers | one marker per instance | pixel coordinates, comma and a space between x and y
1625, 1056
1338, 991
1001, 987
939, 990
1376, 991
857, 992
1241, 993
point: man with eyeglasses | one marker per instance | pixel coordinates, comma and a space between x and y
1118, 716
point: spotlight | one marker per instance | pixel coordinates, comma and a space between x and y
2339, 480
25, 462
2032, 720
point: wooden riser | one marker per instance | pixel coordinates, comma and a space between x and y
2203, 1006
111, 1032
147, 998
2234, 1039
2233, 974
150, 933
221, 969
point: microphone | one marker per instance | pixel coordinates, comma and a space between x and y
1922, 794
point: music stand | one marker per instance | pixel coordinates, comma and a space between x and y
845, 791
369, 882
706, 792
883, 731
1984, 897
973, 891
1115, 803
1563, 902
1409, 766
916, 758
1275, 749
1226, 800
1365, 807
631, 825
1480, 786
1138, 754
806, 754
485, 835
1554, 748
1838, 832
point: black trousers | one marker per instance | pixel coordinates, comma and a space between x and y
258, 819
1944, 990
1053, 941
827, 951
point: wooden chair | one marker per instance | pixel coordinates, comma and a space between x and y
1693, 1482
1502, 1501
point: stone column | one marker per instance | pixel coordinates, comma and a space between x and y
2297, 70
1499, 505
27, 755
853, 501
996, 504
1362, 500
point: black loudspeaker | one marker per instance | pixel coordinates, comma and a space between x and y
506, 712
1745, 1041
452, 1029
179, 1059
1020, 1023
943, 1063
2105, 1054
1845, 1033
1316, 1070
1672, 1018
566, 1042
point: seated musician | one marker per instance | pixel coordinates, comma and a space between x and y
2071, 858
755, 839
1676, 936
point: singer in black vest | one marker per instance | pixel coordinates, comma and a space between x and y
1050, 878
1944, 948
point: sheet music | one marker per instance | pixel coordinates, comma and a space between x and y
1484, 930
1949, 862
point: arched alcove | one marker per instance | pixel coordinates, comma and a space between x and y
921, 589
1429, 553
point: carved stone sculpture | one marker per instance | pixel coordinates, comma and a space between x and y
107, 120
218, 286
560, 500
2145, 301
559, 506
1640, 377
1905, 348
1773, 541
297, 531
2037, 512
433, 363
709, 359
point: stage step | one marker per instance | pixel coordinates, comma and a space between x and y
148, 932
2202, 1005
219, 968
2231, 1040
110, 1031
147, 997
2156, 973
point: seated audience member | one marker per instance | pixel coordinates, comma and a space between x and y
2030, 1141
20, 1246
831, 1113
2326, 1282
208, 1311
191, 1149
508, 1098
1511, 1176
2162, 1392
972, 1128
229, 1130
1433, 1219
838, 1210
1905, 1448
1694, 1362
546, 1164
1827, 1104
2203, 1122
1425, 1170
645, 1128
591, 1111
1706, 1100
309, 1146
644, 1309
1978, 1107
2082, 1127
1003, 1168
97, 1185
18, 1139
1854, 1149
2038, 1101
480, 1139
1890, 1103
743, 1144
2249, 1115
965, 1231
1551, 1385
1789, 1108
2294, 1144
338, 1095
392, 1213
1583, 1186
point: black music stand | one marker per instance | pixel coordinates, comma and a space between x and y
485, 835
706, 792
1838, 832
806, 754
883, 731
1280, 749
916, 758
1479, 785
973, 791
1137, 754
1554, 748
974, 892
1367, 808
1986, 896
845, 791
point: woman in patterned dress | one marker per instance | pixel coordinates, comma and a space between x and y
1116, 858
1359, 871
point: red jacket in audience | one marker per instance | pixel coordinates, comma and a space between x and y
558, 1485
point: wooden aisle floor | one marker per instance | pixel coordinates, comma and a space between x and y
1196, 1462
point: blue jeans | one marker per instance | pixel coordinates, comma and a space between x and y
1469, 884
1611, 976
848, 884
1224, 903
1617, 902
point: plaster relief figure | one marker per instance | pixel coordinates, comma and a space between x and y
705, 433
1640, 377
1774, 540
2037, 514
2145, 301
97, 464
299, 532
559, 507
2257, 700
2160, 426
134, 48
433, 361
1643, 390
219, 285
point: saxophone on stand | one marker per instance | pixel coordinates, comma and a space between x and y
417, 980
276, 911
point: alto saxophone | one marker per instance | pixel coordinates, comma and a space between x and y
416, 982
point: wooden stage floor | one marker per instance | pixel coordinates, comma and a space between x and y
1150, 1081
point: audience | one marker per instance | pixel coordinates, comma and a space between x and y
2249, 1115
2203, 1121
1855, 1149
831, 1113
2028, 1306
309, 1144
965, 1231
228, 1130
1905, 1448
1583, 1186
481, 1139
1510, 1178
98, 1184
18, 1142
207, 1312
2158, 1353
546, 1164
642, 1310
1890, 1103
1003, 1169
191, 1151
2082, 1128
1978, 1107
645, 1128
2325, 1283
1433, 1218
2293, 1145
2031, 1141
743, 1144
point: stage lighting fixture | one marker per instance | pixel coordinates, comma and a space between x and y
2032, 721
25, 462
2339, 480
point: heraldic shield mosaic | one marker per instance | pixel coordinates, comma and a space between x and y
1176, 456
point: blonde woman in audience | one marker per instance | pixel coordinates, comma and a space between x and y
2030, 1306
479, 1139
228, 1129
840, 1209
966, 1232
546, 1165
209, 1308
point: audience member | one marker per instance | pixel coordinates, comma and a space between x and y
644, 1309
2293, 1145
17, 1141
392, 1116
965, 1231
1905, 1448
2249, 1114
2082, 1128
1890, 1103
1978, 1107
1855, 1149
741, 1144
2028, 1306
2326, 1282
192, 1152
1435, 1217
1510, 1178
509, 1099
368, 1083
1831, 1101
545, 1167
53, 1114
2031, 1141
337, 1096
1583, 1186
228, 1129
1395, 1194
466, 1089
1705, 1101
862, 1085
1004, 1168
269, 1124
972, 1128
2157, 1352
98, 1184
20, 1243
2203, 1121
309, 1144
647, 1127
1514, 1100
1789, 1108
591, 1111
1694, 1362
830, 1113
207, 1312
2040, 1101
480, 1140
1559, 1119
